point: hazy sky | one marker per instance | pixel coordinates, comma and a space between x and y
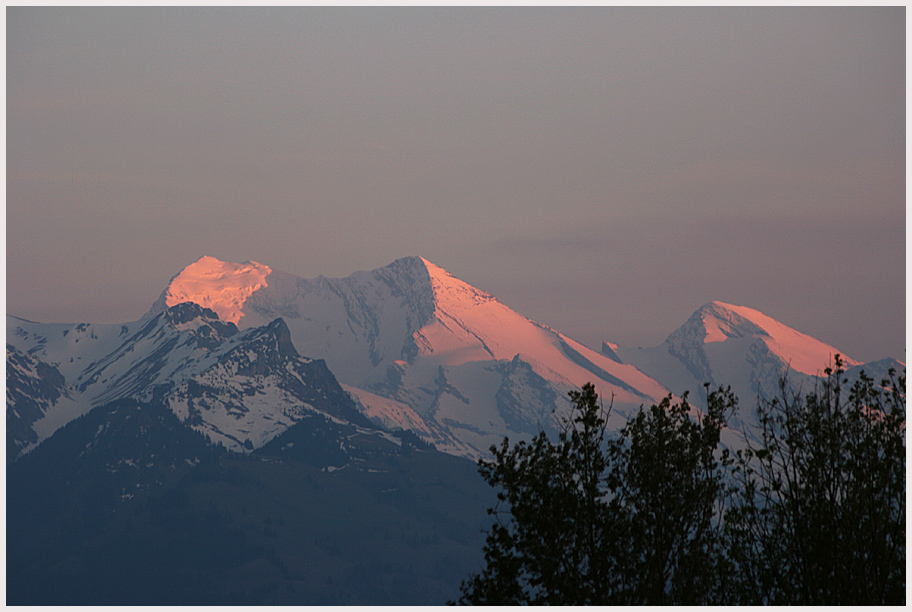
605, 171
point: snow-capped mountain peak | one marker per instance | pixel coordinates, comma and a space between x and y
239, 388
718, 322
412, 334
721, 321
221, 286
451, 292
734, 346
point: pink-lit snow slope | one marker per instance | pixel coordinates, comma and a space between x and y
473, 325
219, 285
802, 352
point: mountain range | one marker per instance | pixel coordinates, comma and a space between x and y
413, 348
243, 386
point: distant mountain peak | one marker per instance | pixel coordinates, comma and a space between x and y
721, 321
718, 322
220, 286
450, 292
228, 288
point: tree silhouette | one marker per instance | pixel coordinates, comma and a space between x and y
662, 514
588, 520
820, 516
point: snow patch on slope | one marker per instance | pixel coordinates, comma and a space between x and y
388, 412
244, 415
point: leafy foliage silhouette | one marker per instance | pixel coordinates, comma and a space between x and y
813, 513
820, 513
597, 521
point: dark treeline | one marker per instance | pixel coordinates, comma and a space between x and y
811, 513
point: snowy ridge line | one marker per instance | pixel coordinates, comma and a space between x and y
412, 346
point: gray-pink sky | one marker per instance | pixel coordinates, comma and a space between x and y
605, 171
